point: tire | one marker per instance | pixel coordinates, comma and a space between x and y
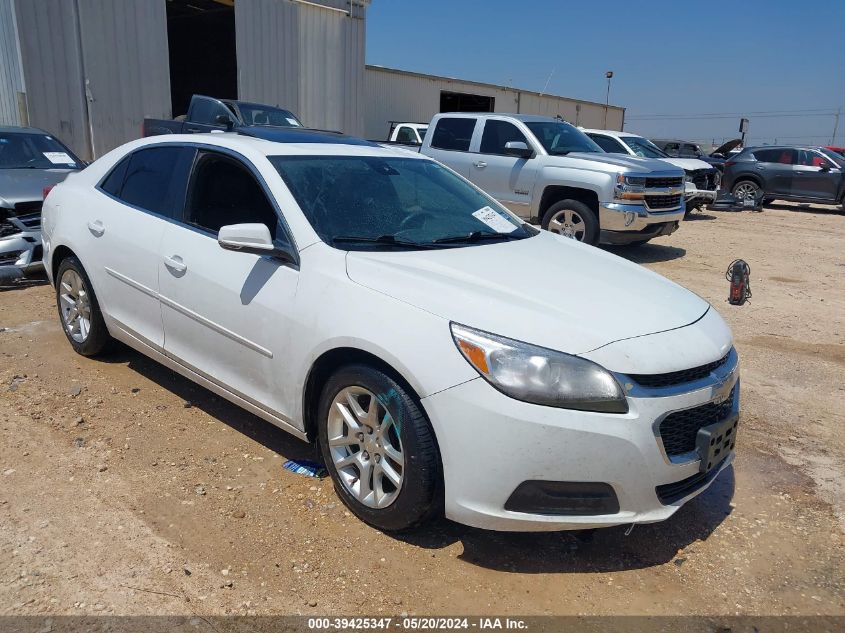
573, 219
406, 501
86, 331
745, 188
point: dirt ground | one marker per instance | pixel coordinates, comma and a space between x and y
125, 489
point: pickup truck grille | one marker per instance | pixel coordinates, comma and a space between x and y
704, 179
15, 224
10, 257
664, 183
679, 430
658, 202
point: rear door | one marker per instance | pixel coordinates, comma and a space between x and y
227, 314
450, 143
139, 199
815, 176
203, 115
509, 179
775, 166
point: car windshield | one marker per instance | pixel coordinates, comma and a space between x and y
559, 138
29, 150
643, 147
265, 115
369, 202
837, 158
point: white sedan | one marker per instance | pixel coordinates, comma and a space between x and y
447, 357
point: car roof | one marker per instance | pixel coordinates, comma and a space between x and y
615, 133
525, 118
13, 129
301, 135
672, 140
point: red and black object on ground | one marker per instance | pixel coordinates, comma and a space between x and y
739, 273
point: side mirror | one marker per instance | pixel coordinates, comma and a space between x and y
225, 120
519, 149
824, 167
251, 238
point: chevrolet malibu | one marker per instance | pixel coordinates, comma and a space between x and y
446, 357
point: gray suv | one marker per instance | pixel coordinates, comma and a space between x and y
800, 174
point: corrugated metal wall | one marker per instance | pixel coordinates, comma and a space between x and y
11, 75
307, 58
393, 95
94, 69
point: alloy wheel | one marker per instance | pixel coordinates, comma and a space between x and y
365, 447
568, 223
746, 191
75, 305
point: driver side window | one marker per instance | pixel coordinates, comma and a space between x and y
223, 191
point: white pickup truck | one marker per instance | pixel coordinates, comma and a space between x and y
548, 171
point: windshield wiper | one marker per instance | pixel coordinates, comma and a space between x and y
388, 240
477, 236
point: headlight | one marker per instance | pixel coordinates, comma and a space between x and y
538, 375
629, 187
717, 178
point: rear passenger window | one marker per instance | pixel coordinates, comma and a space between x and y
496, 134
454, 134
223, 191
114, 181
781, 156
156, 178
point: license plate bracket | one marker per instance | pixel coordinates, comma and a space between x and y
715, 441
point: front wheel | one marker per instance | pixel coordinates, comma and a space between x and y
572, 219
379, 449
79, 311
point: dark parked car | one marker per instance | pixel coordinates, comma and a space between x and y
690, 149
207, 114
800, 174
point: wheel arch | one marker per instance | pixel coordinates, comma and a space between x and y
755, 178
556, 193
58, 255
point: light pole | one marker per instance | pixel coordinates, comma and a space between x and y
609, 75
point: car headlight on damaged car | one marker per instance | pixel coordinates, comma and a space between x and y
539, 375
629, 187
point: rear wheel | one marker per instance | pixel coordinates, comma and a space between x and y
572, 219
379, 449
746, 190
79, 311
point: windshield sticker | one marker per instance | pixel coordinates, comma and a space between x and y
59, 158
494, 220
293, 122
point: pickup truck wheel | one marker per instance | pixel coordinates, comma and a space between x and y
746, 190
379, 449
79, 311
572, 219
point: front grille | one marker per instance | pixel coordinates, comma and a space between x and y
663, 202
664, 183
679, 430
32, 221
679, 377
10, 257
704, 179
669, 493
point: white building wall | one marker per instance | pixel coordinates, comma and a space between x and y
394, 95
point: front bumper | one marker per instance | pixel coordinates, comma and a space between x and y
694, 194
21, 252
490, 444
637, 221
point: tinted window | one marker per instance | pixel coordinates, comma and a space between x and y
453, 134
223, 191
406, 135
608, 144
207, 110
156, 177
643, 147
782, 156
559, 138
26, 150
264, 115
496, 134
114, 181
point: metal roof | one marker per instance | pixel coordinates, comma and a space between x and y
301, 135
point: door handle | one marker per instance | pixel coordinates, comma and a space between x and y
175, 264
96, 228
480, 164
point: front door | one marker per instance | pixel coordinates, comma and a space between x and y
225, 313
509, 179
815, 176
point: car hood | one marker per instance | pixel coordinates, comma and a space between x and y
688, 164
633, 163
546, 290
27, 185
726, 148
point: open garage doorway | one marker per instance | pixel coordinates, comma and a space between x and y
201, 39
465, 102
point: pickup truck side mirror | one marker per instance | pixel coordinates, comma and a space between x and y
252, 238
519, 149
224, 119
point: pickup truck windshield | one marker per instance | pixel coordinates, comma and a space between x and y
560, 138
264, 115
367, 203
643, 147
22, 150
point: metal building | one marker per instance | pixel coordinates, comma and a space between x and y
90, 71
398, 95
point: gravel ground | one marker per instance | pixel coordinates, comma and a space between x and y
125, 489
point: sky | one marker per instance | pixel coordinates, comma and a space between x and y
780, 63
